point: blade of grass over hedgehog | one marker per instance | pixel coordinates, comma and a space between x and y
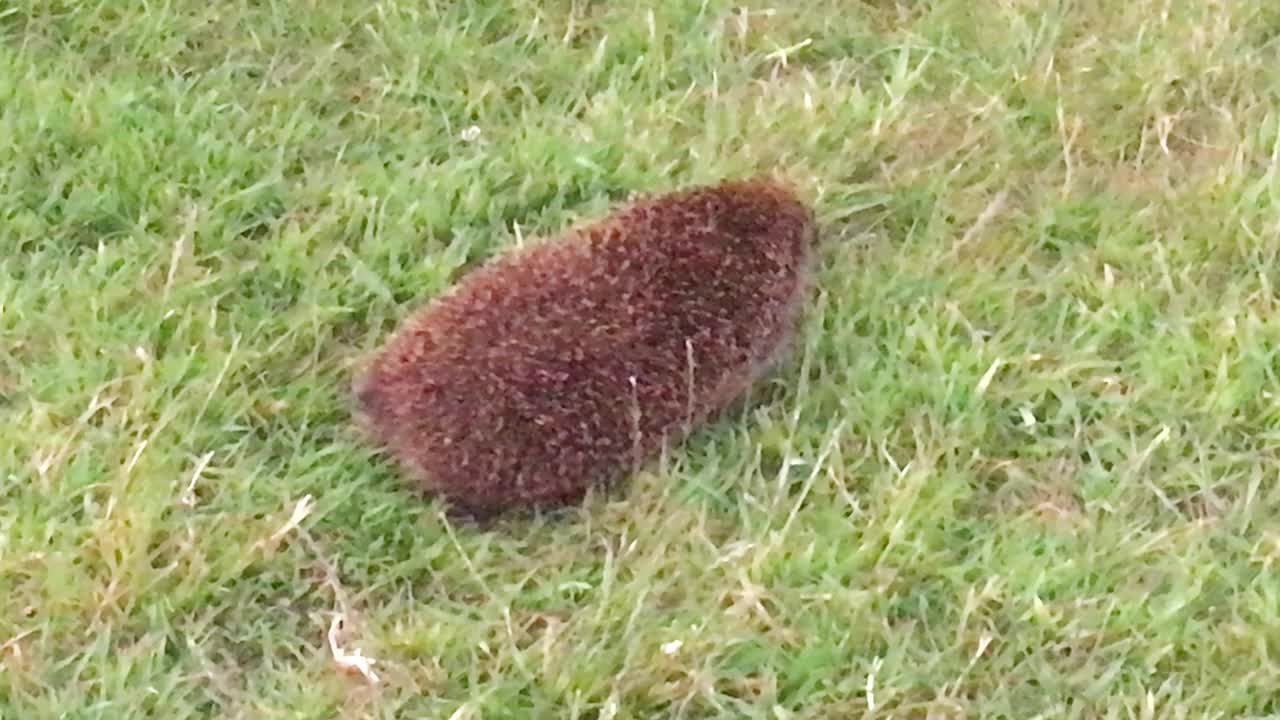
556, 368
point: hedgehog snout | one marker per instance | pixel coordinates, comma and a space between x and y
367, 394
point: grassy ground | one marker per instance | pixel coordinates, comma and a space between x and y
1024, 464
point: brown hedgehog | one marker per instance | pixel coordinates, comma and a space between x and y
559, 366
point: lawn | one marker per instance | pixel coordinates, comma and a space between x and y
1024, 460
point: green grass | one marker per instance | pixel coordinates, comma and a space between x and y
1024, 463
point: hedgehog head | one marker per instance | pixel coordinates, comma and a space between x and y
368, 395
369, 401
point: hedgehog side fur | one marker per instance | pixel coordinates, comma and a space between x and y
558, 367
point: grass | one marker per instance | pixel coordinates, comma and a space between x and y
1023, 464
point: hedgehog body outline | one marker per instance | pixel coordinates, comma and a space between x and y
565, 363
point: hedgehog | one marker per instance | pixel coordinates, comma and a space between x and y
564, 364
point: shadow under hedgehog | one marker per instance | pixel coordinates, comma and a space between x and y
562, 365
